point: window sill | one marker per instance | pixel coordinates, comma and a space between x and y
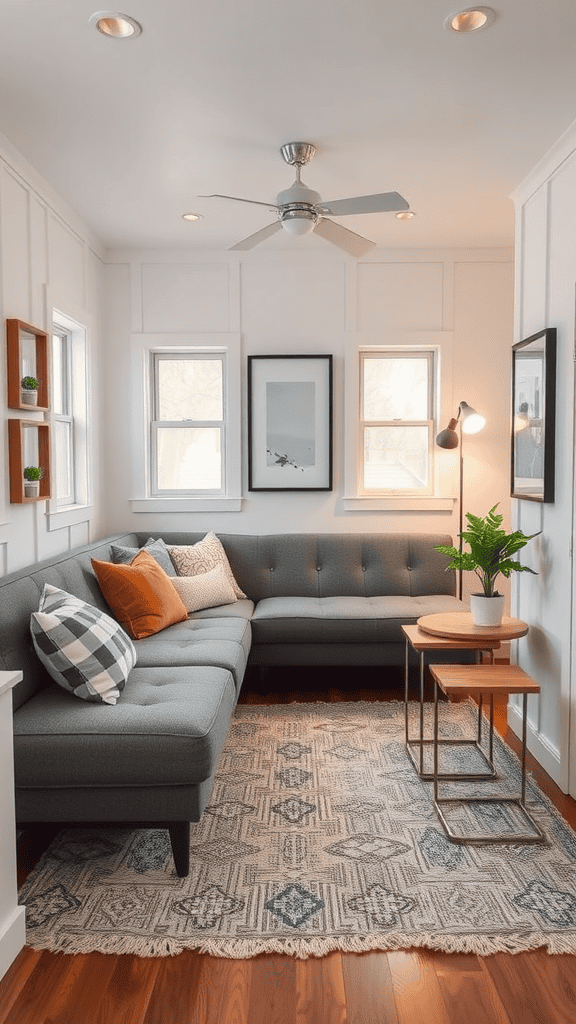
220, 504
398, 504
71, 515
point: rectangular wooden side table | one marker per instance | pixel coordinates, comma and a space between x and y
422, 642
473, 680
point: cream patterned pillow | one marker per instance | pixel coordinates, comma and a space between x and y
207, 554
206, 590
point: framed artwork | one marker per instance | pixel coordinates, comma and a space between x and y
290, 423
533, 416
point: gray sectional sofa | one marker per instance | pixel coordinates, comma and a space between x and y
337, 599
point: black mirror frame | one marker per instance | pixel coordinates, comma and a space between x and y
547, 423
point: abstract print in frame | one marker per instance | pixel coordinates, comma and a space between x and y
290, 423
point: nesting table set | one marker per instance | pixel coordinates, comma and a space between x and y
455, 631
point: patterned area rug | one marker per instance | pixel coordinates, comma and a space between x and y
318, 836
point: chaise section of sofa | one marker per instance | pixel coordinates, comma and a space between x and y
148, 759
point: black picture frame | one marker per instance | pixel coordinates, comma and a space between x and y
534, 417
290, 423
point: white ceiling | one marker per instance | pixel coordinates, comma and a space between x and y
131, 132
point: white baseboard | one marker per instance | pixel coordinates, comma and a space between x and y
12, 938
546, 755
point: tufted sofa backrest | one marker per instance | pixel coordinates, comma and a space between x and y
294, 565
332, 564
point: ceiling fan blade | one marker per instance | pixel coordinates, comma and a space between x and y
216, 195
348, 240
257, 237
384, 202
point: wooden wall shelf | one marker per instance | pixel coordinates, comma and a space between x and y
15, 329
16, 428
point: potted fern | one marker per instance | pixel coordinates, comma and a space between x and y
490, 555
32, 478
29, 390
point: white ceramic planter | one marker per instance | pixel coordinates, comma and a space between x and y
31, 488
486, 611
29, 397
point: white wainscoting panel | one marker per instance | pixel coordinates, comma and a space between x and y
185, 297
15, 248
287, 298
400, 295
67, 276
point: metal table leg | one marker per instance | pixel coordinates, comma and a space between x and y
537, 836
420, 742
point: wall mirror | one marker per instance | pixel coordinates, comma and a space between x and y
533, 416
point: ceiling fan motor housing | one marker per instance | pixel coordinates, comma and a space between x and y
297, 208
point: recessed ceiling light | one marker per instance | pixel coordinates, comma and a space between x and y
117, 26
470, 19
405, 215
192, 216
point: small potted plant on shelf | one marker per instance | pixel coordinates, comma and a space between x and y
32, 478
490, 555
29, 390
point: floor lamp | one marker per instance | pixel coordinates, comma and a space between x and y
471, 422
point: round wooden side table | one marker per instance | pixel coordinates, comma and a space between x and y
459, 626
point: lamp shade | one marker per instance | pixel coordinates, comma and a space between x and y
472, 421
448, 438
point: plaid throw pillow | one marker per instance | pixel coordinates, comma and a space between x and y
84, 650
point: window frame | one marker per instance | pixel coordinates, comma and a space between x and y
64, 501
142, 499
442, 344
75, 508
156, 356
393, 352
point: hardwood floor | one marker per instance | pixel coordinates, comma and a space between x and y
405, 987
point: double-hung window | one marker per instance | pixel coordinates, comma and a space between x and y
63, 417
69, 415
396, 422
188, 428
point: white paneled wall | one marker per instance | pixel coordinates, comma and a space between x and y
46, 254
405, 295
545, 297
303, 302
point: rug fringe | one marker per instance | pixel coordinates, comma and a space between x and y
304, 948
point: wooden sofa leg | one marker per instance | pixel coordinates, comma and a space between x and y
180, 840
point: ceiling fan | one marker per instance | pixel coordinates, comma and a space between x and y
300, 210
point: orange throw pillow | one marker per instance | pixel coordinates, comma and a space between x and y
140, 595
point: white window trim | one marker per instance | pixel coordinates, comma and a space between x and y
82, 509
67, 417
445, 485
156, 425
431, 356
142, 347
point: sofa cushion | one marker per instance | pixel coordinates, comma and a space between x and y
140, 595
241, 609
167, 729
208, 553
84, 650
207, 590
342, 619
222, 642
156, 548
